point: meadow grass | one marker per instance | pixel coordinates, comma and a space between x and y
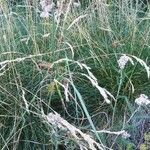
69, 66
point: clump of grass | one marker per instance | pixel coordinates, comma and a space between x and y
90, 64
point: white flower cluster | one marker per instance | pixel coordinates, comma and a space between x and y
47, 7
61, 6
125, 134
123, 60
142, 100
55, 120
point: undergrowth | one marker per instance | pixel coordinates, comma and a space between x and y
76, 76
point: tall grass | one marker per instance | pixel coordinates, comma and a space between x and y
69, 66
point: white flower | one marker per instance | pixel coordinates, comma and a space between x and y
49, 8
123, 61
125, 134
142, 100
43, 4
44, 14
55, 120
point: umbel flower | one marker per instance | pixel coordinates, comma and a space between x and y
142, 100
123, 60
62, 7
47, 6
44, 14
125, 134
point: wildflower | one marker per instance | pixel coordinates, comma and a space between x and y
125, 134
123, 61
55, 120
142, 100
44, 14
47, 7
43, 4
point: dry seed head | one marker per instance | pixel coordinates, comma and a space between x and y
82, 139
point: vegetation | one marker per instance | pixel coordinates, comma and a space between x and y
74, 75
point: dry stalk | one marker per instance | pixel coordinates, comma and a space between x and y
83, 140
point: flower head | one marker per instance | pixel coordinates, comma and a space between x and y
44, 14
123, 60
47, 6
43, 3
125, 134
142, 100
55, 120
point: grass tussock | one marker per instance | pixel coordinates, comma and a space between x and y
74, 75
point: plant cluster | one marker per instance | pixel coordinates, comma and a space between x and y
74, 75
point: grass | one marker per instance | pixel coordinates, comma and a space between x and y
70, 68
